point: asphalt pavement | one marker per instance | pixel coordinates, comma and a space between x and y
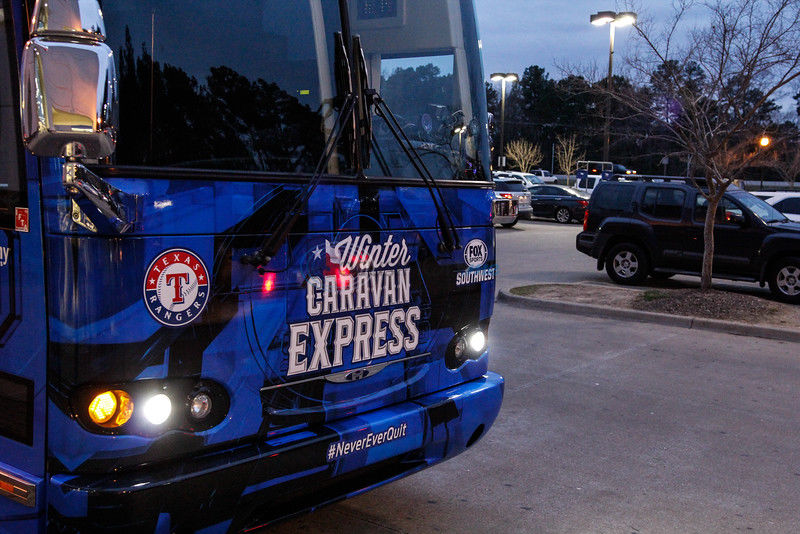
606, 426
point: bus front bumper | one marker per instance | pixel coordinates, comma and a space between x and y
280, 476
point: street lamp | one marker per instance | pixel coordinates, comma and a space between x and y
764, 141
504, 78
613, 19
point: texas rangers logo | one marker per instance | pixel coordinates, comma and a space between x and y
176, 287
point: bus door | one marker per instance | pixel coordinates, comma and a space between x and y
23, 343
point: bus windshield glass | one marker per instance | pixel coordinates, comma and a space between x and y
250, 84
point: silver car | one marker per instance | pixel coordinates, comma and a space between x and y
511, 188
505, 211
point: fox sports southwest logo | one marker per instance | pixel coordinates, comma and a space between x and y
476, 253
176, 287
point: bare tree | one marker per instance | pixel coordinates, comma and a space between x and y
567, 154
714, 96
787, 162
525, 154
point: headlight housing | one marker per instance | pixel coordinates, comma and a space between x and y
468, 344
151, 407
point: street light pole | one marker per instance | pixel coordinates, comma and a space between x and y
503, 126
613, 19
503, 78
607, 127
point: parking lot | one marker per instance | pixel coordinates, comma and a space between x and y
606, 426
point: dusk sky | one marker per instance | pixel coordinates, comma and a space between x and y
553, 33
520, 33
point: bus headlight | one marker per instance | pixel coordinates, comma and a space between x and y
157, 409
200, 405
183, 404
477, 341
468, 344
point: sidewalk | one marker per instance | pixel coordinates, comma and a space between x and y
615, 312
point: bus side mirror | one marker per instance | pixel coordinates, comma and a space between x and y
68, 82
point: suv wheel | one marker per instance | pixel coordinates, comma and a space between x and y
784, 280
626, 263
563, 216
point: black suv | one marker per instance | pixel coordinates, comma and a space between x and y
636, 229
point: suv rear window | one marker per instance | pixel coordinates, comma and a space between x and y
663, 203
614, 197
509, 185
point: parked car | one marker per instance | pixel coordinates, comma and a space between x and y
527, 180
622, 170
590, 173
636, 229
586, 184
505, 211
564, 204
763, 195
545, 176
787, 202
513, 188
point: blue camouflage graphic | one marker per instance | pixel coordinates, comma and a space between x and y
325, 372
343, 337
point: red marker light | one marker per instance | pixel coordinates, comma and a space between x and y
506, 195
269, 283
343, 278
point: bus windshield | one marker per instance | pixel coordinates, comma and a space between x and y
249, 84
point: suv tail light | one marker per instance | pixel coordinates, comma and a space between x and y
583, 203
585, 220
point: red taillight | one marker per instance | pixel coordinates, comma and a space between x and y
585, 220
269, 283
506, 195
583, 203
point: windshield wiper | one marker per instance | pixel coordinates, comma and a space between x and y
356, 116
370, 99
445, 218
269, 250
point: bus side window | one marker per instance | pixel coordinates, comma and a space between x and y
10, 146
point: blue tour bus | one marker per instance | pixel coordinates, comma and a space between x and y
246, 257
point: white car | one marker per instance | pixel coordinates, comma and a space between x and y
545, 176
787, 202
528, 180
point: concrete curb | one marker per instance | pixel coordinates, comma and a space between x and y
601, 312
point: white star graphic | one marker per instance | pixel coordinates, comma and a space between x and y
317, 252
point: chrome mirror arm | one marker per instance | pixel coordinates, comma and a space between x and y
117, 207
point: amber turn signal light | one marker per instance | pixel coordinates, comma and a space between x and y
111, 409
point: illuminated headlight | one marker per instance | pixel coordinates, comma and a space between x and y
157, 409
469, 344
477, 341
